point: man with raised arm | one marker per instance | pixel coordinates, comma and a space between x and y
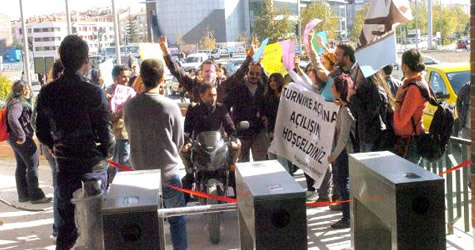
207, 74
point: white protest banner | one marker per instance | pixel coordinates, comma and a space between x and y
304, 129
378, 35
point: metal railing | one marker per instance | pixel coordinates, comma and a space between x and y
456, 183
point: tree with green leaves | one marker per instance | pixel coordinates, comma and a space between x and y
131, 28
322, 11
179, 40
272, 23
358, 23
208, 41
243, 37
5, 86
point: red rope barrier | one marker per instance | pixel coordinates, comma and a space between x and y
325, 203
203, 195
463, 164
231, 200
120, 166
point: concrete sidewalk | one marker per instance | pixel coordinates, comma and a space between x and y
31, 230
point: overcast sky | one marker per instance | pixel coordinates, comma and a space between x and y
41, 7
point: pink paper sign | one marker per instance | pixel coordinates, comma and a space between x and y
121, 95
288, 54
308, 29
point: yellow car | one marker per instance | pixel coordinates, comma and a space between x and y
445, 79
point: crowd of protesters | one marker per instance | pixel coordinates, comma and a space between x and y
81, 125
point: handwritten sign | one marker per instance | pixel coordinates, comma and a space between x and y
304, 130
121, 95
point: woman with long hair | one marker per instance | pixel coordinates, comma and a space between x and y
20, 128
410, 103
369, 103
270, 107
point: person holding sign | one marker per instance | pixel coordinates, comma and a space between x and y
343, 145
246, 102
207, 74
117, 94
369, 103
321, 68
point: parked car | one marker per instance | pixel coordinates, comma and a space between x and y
193, 61
234, 64
445, 79
215, 54
224, 53
463, 44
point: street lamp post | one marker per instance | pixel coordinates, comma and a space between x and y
26, 57
68, 17
116, 34
417, 26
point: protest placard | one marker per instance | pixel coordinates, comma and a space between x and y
288, 54
260, 50
304, 129
272, 61
121, 95
308, 28
322, 35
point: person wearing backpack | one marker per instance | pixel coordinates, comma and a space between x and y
369, 101
410, 104
20, 129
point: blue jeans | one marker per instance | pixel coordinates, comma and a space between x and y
121, 156
342, 179
67, 184
122, 152
26, 173
173, 198
52, 164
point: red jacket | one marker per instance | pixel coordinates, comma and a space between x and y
412, 106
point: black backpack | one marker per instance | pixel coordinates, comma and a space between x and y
431, 146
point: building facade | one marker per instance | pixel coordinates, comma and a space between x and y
45, 33
340, 11
190, 21
6, 38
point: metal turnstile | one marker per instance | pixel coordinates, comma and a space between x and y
271, 207
395, 204
130, 212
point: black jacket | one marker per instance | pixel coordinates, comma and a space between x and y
200, 118
246, 107
192, 86
73, 120
368, 105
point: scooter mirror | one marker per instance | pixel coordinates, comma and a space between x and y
243, 125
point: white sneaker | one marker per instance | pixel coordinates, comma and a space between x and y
312, 196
